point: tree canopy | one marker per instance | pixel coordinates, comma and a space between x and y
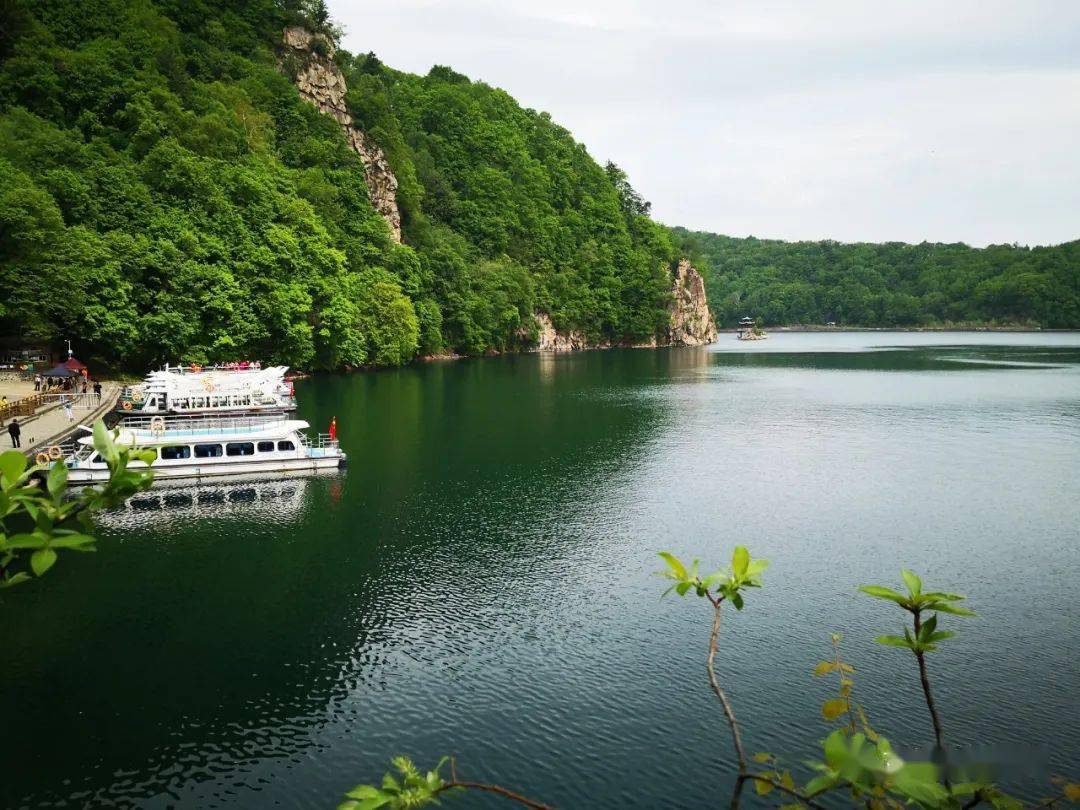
888, 285
168, 195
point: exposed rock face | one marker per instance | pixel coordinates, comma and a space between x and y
551, 340
320, 82
691, 322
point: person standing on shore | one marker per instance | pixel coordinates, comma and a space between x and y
15, 431
69, 410
97, 391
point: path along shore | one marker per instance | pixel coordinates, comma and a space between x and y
50, 426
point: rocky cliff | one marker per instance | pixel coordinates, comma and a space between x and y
320, 82
690, 324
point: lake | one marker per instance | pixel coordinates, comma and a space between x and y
479, 581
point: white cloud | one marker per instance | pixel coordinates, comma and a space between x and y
849, 120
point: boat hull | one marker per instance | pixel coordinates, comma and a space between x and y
277, 467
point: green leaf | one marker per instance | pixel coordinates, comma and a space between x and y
893, 641
824, 668
364, 792
42, 560
919, 781
821, 782
831, 709
35, 540
104, 444
942, 596
22, 576
756, 567
12, 465
944, 607
836, 753
762, 757
737, 600
74, 541
682, 588
740, 561
879, 592
714, 578
763, 788
57, 480
912, 581
941, 635
928, 627
372, 803
674, 564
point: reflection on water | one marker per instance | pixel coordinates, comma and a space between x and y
252, 498
479, 581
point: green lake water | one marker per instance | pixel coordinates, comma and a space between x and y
478, 582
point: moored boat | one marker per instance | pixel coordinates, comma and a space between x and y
193, 447
235, 387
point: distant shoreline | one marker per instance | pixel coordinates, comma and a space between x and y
1032, 329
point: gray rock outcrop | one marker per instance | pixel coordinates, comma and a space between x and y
321, 83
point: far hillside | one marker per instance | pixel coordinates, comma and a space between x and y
888, 285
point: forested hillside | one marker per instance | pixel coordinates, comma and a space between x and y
890, 284
166, 194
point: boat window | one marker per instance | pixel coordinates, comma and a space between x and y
175, 451
266, 447
240, 449
286, 445
208, 451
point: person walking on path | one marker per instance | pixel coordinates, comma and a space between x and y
69, 410
15, 431
97, 391
37, 382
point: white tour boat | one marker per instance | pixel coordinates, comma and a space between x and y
200, 447
216, 389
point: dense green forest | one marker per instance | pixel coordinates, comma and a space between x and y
885, 285
166, 194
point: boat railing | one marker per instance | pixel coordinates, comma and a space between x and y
197, 425
321, 443
197, 369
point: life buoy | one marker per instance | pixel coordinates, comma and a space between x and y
138, 396
127, 406
208, 384
41, 458
55, 453
157, 425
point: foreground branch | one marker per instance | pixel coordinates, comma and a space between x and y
939, 737
509, 794
714, 637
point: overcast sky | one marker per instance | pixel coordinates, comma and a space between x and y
946, 121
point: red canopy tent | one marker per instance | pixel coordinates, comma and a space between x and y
73, 364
